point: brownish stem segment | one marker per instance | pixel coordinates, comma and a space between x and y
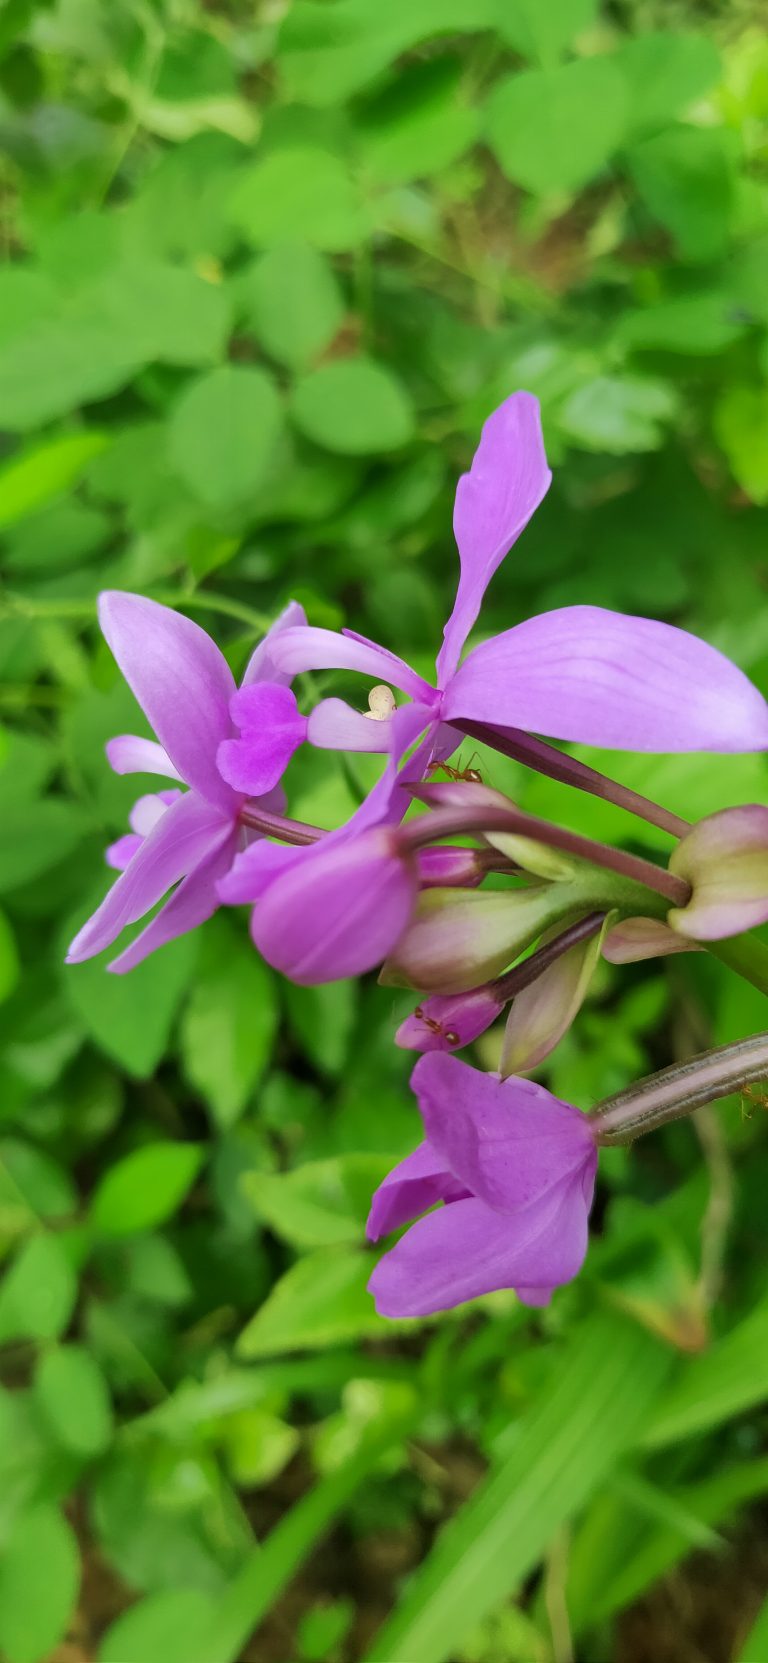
557, 765
677, 1090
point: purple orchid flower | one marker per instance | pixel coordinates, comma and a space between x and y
579, 673
184, 838
515, 1170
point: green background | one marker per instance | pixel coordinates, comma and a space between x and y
266, 269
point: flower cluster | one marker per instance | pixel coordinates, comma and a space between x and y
442, 882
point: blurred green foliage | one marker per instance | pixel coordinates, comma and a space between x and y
266, 270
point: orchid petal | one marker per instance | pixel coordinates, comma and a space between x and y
255, 869
128, 754
296, 650
338, 911
509, 1140
271, 729
149, 809
601, 678
192, 903
187, 832
409, 1189
494, 502
335, 726
181, 681
261, 665
465, 1250
119, 854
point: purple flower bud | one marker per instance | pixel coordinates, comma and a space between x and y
725, 860
514, 1168
444, 866
337, 911
443, 1023
458, 940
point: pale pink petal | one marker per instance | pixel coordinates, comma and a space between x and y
296, 650
191, 829
261, 665
121, 852
181, 680
128, 754
494, 502
602, 678
335, 726
635, 939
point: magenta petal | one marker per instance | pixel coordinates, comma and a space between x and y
410, 1189
494, 502
128, 754
444, 1022
271, 729
186, 833
119, 854
261, 665
465, 1250
194, 901
335, 726
602, 678
337, 911
181, 681
255, 869
324, 649
509, 1141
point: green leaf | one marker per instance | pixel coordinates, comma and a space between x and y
324, 56
39, 1579
690, 323
321, 1300
30, 481
32, 1186
60, 364
130, 1017
665, 73
294, 302
34, 836
321, 1203
755, 1647
741, 427
322, 1019
229, 1023
162, 1628
554, 129
354, 406
222, 434
716, 1386
9, 959
167, 313
298, 190
72, 1394
543, 31
618, 413
144, 1188
38, 1291
685, 179
603, 1385
419, 125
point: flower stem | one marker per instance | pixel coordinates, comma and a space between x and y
676, 1091
482, 815
558, 765
534, 966
276, 825
745, 954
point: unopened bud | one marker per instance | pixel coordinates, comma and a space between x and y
459, 939
635, 939
544, 1011
725, 860
449, 867
444, 1023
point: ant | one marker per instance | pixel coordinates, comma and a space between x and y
448, 1034
758, 1097
472, 775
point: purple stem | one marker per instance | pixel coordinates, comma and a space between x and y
557, 765
447, 822
534, 966
275, 825
677, 1090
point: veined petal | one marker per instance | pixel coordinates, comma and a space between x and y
181, 680
409, 1189
508, 1140
603, 678
119, 854
255, 868
190, 829
325, 649
465, 1250
271, 729
494, 502
128, 754
261, 665
335, 726
194, 901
